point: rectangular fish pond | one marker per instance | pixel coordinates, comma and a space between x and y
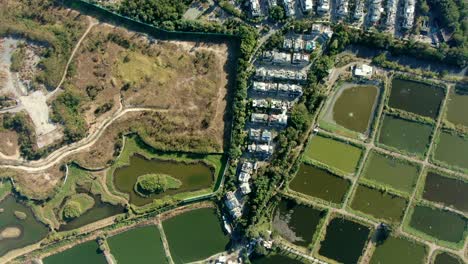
402, 134
353, 107
404, 92
447, 258
448, 191
195, 235
439, 224
192, 176
295, 222
276, 259
342, 156
138, 245
380, 205
344, 241
452, 149
87, 252
18, 225
457, 106
320, 183
389, 171
399, 250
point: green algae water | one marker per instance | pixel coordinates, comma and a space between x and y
399, 250
405, 135
296, 223
195, 235
450, 192
440, 224
416, 97
379, 204
353, 108
390, 171
31, 229
337, 154
319, 183
194, 176
87, 252
344, 241
138, 245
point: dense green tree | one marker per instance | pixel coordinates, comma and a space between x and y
277, 13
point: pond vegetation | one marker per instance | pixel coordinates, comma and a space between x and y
138, 245
380, 205
390, 171
319, 183
405, 135
403, 96
296, 223
195, 235
344, 241
342, 156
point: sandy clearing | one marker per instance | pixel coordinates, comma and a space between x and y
10, 232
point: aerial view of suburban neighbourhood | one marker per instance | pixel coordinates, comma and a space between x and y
234, 131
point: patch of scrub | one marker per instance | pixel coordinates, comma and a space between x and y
195, 235
87, 252
76, 205
296, 223
447, 258
439, 224
416, 97
15, 232
342, 156
398, 250
452, 149
390, 171
353, 107
344, 241
319, 183
138, 245
194, 176
457, 105
405, 135
149, 184
380, 205
451, 192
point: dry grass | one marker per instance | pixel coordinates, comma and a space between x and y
9, 143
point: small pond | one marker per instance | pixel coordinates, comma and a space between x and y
452, 149
319, 183
405, 135
390, 171
440, 224
354, 107
31, 230
344, 241
296, 223
448, 191
194, 176
138, 245
447, 258
195, 235
428, 98
87, 252
457, 106
379, 204
398, 250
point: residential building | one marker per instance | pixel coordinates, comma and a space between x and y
260, 103
359, 10
264, 87
408, 14
247, 167
307, 6
255, 8
298, 44
342, 7
300, 59
288, 43
375, 10
290, 89
266, 136
391, 12
244, 176
323, 7
255, 134
259, 118
289, 7
233, 204
281, 119
309, 45
363, 71
245, 188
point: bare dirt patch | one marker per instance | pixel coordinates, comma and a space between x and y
9, 143
37, 185
10, 232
